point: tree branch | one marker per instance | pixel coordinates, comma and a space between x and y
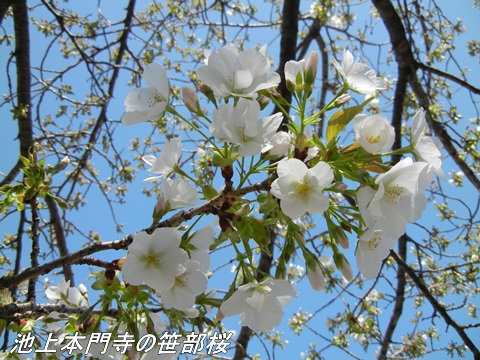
24, 81
399, 301
61, 241
450, 77
288, 46
4, 5
405, 58
436, 305
72, 258
398, 105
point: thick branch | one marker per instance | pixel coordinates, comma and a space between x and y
450, 77
175, 220
288, 46
22, 55
405, 59
4, 5
399, 301
35, 248
72, 258
436, 305
13, 311
61, 241
398, 105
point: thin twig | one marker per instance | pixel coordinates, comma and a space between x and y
436, 305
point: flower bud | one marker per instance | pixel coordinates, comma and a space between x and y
343, 99
343, 265
311, 64
208, 92
317, 281
263, 101
160, 205
190, 98
280, 142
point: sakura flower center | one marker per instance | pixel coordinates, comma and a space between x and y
395, 193
373, 139
154, 259
181, 281
303, 189
373, 243
151, 97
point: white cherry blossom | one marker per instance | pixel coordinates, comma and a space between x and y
199, 242
179, 193
378, 238
169, 158
280, 143
186, 287
400, 195
300, 189
358, 76
297, 73
426, 148
240, 124
155, 260
63, 293
374, 133
259, 305
143, 104
229, 72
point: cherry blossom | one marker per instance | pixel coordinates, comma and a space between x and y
298, 73
374, 133
385, 212
199, 243
280, 143
378, 238
358, 77
400, 195
189, 284
300, 189
63, 293
240, 125
259, 305
143, 104
229, 72
155, 260
426, 148
179, 193
169, 158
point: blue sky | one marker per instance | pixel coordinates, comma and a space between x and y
135, 213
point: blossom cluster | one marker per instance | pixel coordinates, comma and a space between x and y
307, 175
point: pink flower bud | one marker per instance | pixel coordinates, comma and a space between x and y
317, 281
280, 142
190, 98
160, 205
311, 64
343, 99
346, 270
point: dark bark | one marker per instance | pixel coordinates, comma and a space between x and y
24, 81
437, 306
4, 6
405, 59
288, 46
61, 241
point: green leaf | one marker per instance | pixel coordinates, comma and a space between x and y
342, 117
